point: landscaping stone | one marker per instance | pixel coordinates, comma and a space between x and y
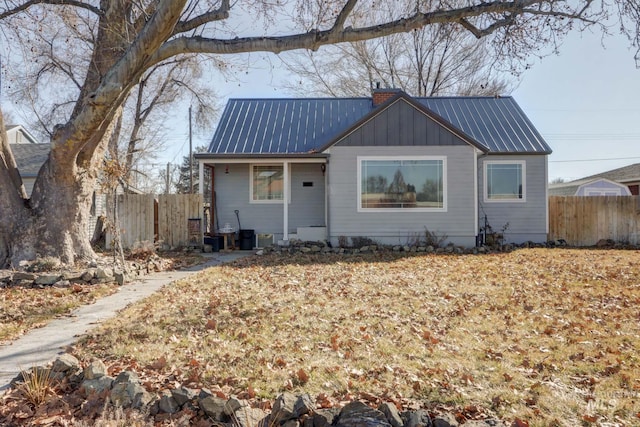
233, 404
213, 406
418, 418
445, 420
250, 417
95, 370
167, 403
66, 363
284, 408
104, 273
97, 385
47, 279
119, 278
183, 395
62, 284
357, 414
325, 417
21, 275
391, 412
88, 275
303, 406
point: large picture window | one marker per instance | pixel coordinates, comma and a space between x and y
403, 184
504, 181
267, 183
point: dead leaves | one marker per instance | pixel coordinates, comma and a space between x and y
465, 328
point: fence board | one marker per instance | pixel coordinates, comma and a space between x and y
583, 221
138, 221
132, 207
174, 212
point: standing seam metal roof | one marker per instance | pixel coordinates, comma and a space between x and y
305, 125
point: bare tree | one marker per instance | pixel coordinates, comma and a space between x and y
120, 40
441, 59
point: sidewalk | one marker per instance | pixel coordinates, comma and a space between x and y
41, 346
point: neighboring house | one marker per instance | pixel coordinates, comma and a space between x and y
627, 175
16, 134
387, 168
589, 187
30, 156
29, 159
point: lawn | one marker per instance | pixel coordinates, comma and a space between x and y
547, 336
22, 309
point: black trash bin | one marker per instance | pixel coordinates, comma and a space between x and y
247, 239
216, 242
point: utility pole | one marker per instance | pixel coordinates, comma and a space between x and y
168, 179
190, 156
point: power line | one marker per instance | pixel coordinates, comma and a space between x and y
593, 160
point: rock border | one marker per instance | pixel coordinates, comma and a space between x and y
287, 410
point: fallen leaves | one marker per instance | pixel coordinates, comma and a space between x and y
554, 329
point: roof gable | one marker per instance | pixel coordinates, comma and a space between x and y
401, 116
17, 134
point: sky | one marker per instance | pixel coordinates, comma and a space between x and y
585, 102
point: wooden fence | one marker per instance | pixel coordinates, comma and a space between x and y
164, 218
583, 221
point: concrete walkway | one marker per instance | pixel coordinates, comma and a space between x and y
41, 346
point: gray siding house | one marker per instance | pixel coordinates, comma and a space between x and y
387, 168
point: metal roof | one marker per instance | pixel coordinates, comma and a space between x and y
497, 122
297, 126
284, 126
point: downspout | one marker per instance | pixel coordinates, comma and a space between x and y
479, 194
285, 201
326, 201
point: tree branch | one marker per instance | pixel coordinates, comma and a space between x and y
28, 4
219, 14
315, 38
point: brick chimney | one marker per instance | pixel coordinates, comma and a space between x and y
380, 96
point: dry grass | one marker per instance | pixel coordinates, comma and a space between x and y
37, 384
549, 336
22, 309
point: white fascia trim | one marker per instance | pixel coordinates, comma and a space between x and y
268, 161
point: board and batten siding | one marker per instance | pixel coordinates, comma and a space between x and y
458, 223
527, 221
307, 207
401, 125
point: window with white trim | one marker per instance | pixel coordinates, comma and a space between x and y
505, 181
267, 183
402, 184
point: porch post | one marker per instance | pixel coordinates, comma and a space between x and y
200, 177
285, 197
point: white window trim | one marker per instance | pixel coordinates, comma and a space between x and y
267, 202
485, 191
405, 210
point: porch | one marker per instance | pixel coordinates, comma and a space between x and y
249, 194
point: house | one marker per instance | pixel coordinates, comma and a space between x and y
387, 168
629, 176
17, 134
29, 159
589, 187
